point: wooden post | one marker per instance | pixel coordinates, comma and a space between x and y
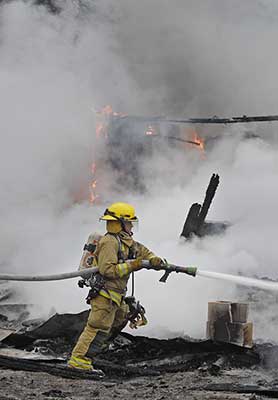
195, 220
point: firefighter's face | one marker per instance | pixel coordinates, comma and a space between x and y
128, 226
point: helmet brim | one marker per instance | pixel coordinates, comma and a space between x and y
108, 218
111, 218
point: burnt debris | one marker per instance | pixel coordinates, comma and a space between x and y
134, 356
44, 345
127, 356
39, 345
195, 223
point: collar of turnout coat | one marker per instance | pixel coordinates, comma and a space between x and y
126, 238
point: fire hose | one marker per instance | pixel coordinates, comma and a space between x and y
85, 273
168, 269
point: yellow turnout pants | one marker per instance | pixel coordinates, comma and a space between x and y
105, 315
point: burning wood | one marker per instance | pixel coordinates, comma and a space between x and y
129, 141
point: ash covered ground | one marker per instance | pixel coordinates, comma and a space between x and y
181, 385
32, 364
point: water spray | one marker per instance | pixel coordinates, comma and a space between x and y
240, 280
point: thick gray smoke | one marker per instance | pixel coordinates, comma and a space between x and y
201, 58
148, 57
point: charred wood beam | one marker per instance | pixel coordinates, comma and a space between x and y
194, 223
191, 222
210, 193
211, 120
58, 369
180, 354
35, 366
232, 120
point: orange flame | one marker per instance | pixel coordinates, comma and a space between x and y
93, 193
199, 141
103, 118
195, 138
93, 186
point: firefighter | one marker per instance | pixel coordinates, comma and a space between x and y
117, 256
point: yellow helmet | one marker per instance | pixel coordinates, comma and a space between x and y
120, 211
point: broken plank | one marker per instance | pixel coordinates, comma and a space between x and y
35, 366
60, 369
4, 333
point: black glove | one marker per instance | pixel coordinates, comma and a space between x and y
81, 283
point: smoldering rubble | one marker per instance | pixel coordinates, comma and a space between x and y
40, 347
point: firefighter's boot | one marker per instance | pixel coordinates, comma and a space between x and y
84, 364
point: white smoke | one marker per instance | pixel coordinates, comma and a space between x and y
247, 198
153, 57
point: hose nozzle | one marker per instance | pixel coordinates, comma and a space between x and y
190, 271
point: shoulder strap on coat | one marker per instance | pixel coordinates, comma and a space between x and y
121, 257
